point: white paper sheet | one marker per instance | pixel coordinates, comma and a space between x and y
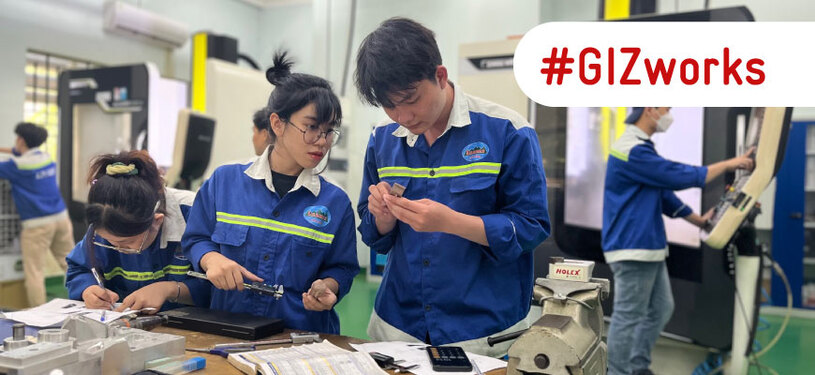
415, 354
54, 312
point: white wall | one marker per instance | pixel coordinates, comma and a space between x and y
289, 27
225, 17
572, 10
73, 28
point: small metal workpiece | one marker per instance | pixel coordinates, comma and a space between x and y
53, 335
144, 323
18, 331
275, 291
17, 339
397, 190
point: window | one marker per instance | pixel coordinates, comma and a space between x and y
41, 81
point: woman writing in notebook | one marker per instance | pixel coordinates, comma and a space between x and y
275, 219
133, 239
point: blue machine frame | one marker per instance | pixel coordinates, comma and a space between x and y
788, 217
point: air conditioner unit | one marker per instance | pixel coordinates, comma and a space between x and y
125, 19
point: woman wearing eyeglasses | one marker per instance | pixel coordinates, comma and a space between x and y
276, 220
133, 239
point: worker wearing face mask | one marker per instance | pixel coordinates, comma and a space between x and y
639, 189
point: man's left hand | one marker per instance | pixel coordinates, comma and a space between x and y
423, 215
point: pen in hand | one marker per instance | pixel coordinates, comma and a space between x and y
101, 285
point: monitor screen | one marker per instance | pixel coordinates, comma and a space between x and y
589, 135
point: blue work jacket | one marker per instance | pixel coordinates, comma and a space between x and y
639, 189
488, 164
306, 235
33, 177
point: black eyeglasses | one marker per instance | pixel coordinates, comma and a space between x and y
125, 250
312, 134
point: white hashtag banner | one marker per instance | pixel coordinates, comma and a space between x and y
679, 64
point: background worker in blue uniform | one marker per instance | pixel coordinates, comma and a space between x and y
276, 220
261, 136
45, 223
133, 239
639, 189
460, 243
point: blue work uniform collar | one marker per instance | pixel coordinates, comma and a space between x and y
174, 224
261, 170
459, 117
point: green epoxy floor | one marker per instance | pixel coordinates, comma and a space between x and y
355, 309
794, 353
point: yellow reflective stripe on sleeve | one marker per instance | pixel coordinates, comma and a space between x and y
274, 225
444, 171
619, 155
146, 276
29, 167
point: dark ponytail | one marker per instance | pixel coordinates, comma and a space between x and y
293, 91
125, 189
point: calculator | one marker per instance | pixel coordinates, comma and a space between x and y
448, 359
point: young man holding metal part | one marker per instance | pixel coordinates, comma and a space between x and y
460, 240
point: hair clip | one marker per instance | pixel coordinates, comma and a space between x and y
93, 182
120, 168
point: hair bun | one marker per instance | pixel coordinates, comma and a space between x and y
280, 69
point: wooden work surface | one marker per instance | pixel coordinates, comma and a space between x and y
219, 365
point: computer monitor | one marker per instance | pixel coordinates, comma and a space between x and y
193, 148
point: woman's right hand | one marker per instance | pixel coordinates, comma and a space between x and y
385, 221
97, 298
225, 273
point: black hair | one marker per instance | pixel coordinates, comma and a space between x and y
293, 91
393, 58
261, 119
32, 135
123, 203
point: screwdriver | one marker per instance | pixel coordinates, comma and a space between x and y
295, 338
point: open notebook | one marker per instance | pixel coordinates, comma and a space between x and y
322, 358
